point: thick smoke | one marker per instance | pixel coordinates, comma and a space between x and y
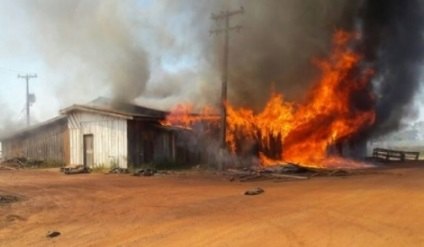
280, 38
117, 45
273, 51
393, 32
8, 124
93, 43
162, 50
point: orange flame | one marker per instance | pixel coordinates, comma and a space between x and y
182, 116
308, 130
273, 122
305, 132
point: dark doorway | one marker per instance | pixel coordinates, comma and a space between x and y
88, 150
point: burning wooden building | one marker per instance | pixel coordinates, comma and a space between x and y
102, 133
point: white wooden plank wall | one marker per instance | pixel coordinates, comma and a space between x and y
109, 134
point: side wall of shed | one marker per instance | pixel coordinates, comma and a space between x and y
47, 143
109, 139
149, 143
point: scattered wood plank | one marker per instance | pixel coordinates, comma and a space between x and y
236, 172
6, 199
254, 191
290, 176
79, 169
286, 172
251, 178
52, 234
3, 167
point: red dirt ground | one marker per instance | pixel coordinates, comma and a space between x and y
385, 208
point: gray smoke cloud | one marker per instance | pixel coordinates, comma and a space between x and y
281, 37
9, 124
161, 53
277, 45
121, 46
92, 42
394, 43
273, 51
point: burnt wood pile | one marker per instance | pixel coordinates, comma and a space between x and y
79, 169
20, 162
6, 199
285, 172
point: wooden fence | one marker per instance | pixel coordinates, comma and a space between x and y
394, 155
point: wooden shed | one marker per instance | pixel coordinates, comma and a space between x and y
102, 133
48, 141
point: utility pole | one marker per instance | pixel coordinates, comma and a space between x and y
225, 16
30, 98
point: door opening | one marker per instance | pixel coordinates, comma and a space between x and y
88, 151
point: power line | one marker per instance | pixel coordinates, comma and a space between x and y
226, 16
30, 98
21, 114
10, 70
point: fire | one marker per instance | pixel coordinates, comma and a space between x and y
182, 116
327, 117
330, 114
336, 108
274, 122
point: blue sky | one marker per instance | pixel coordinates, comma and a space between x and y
17, 56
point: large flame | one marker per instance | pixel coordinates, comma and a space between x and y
182, 116
333, 111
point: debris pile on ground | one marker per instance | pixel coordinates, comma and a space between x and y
22, 162
254, 191
13, 164
7, 167
147, 172
6, 199
284, 172
14, 217
52, 234
119, 170
79, 169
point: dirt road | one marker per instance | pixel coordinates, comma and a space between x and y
192, 209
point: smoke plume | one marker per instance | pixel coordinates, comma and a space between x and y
161, 53
8, 124
92, 42
117, 45
281, 37
273, 51
393, 32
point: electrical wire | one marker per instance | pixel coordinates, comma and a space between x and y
10, 70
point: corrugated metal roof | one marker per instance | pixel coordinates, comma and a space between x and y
103, 106
117, 109
33, 128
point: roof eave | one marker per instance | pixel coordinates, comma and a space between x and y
90, 109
